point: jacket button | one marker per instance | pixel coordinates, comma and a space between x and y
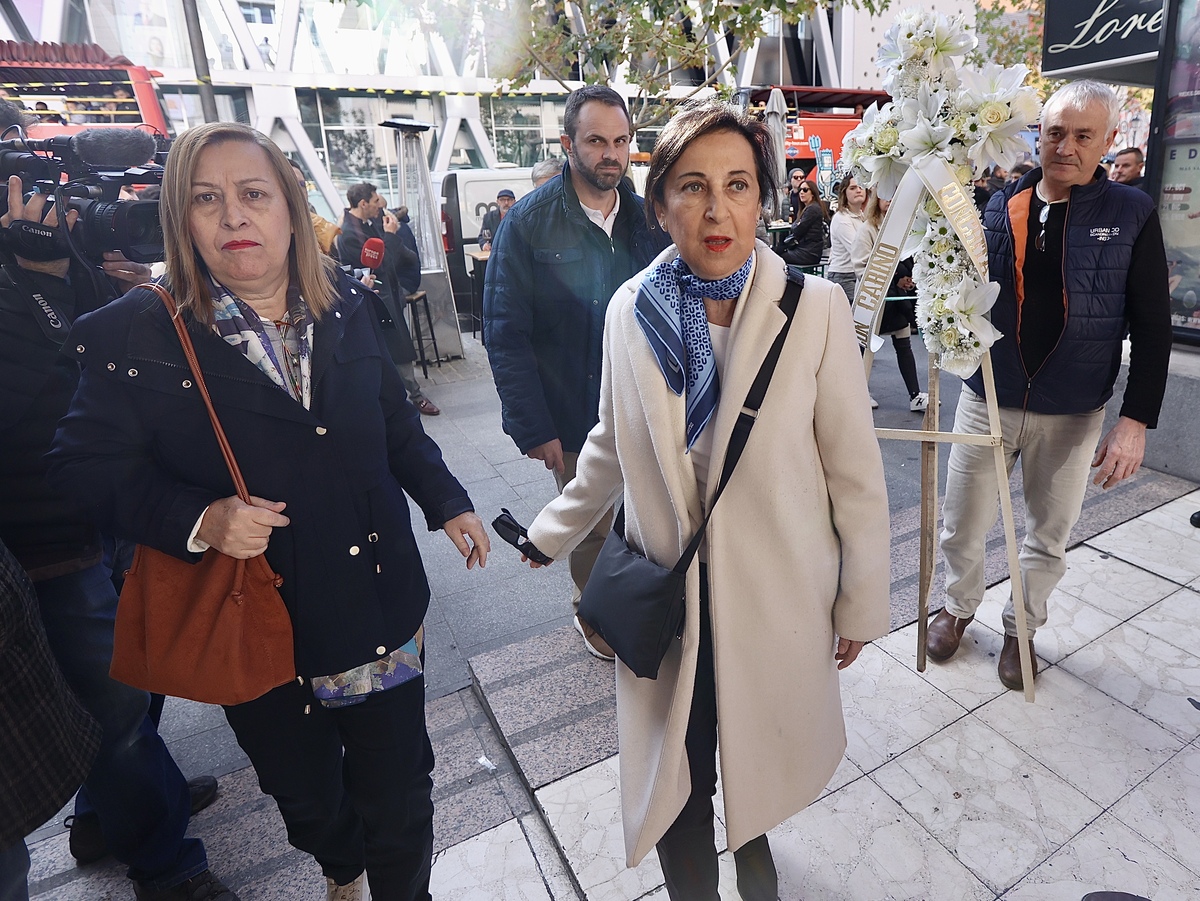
595, 303
321, 430
112, 367
300, 679
79, 349
133, 373
381, 650
187, 383
307, 709
373, 537
354, 551
337, 314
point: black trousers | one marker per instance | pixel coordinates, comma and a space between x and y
688, 851
352, 783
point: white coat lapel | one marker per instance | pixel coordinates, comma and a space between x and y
756, 324
666, 423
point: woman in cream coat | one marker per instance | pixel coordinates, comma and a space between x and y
797, 549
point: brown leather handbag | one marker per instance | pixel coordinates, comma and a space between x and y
215, 631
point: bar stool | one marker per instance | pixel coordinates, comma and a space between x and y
415, 301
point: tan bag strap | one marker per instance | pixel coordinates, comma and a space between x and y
190, 352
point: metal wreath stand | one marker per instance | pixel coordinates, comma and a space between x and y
932, 176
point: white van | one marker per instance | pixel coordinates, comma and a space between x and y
467, 195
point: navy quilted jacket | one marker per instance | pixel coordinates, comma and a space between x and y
1104, 220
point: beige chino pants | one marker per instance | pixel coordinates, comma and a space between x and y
1056, 454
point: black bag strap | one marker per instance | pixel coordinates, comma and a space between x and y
745, 421
54, 321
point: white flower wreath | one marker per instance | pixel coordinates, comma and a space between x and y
970, 118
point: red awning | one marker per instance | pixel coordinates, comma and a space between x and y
57, 56
806, 97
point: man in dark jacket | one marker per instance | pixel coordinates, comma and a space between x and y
1080, 263
140, 797
367, 218
408, 273
505, 198
557, 258
1127, 167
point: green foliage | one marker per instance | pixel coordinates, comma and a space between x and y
662, 47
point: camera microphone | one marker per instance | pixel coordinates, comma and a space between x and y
114, 148
372, 254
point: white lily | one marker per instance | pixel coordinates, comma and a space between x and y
971, 304
1002, 145
950, 38
884, 173
992, 82
927, 137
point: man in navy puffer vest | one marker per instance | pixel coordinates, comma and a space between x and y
1080, 263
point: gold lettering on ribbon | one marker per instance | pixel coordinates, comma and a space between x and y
961, 212
872, 290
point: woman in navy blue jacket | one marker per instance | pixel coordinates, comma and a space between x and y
317, 418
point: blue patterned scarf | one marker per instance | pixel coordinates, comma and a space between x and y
670, 310
238, 324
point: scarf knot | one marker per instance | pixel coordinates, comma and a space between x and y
669, 308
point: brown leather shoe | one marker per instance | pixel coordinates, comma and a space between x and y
1009, 667
945, 633
428, 407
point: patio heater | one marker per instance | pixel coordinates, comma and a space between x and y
424, 209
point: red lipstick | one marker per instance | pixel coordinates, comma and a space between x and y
239, 245
718, 243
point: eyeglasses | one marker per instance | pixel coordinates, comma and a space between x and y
805, 191
1039, 242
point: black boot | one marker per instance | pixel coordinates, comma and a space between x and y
757, 879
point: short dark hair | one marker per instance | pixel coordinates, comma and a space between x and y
598, 92
1136, 151
295, 166
10, 115
695, 122
364, 190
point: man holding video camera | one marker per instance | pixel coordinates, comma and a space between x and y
140, 797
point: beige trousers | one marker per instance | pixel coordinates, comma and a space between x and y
1056, 455
583, 558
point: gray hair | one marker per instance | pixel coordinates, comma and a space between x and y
1078, 95
545, 169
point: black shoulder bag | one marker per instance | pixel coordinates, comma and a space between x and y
633, 603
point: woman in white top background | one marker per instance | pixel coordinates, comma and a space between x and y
846, 223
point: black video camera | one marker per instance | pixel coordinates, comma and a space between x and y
96, 164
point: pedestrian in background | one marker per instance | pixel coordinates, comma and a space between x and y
846, 223
789, 583
544, 170
805, 243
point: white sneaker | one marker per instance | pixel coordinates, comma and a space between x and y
596, 646
874, 402
919, 402
352, 891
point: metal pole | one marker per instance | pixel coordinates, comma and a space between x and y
208, 100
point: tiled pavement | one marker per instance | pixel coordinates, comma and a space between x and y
952, 788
